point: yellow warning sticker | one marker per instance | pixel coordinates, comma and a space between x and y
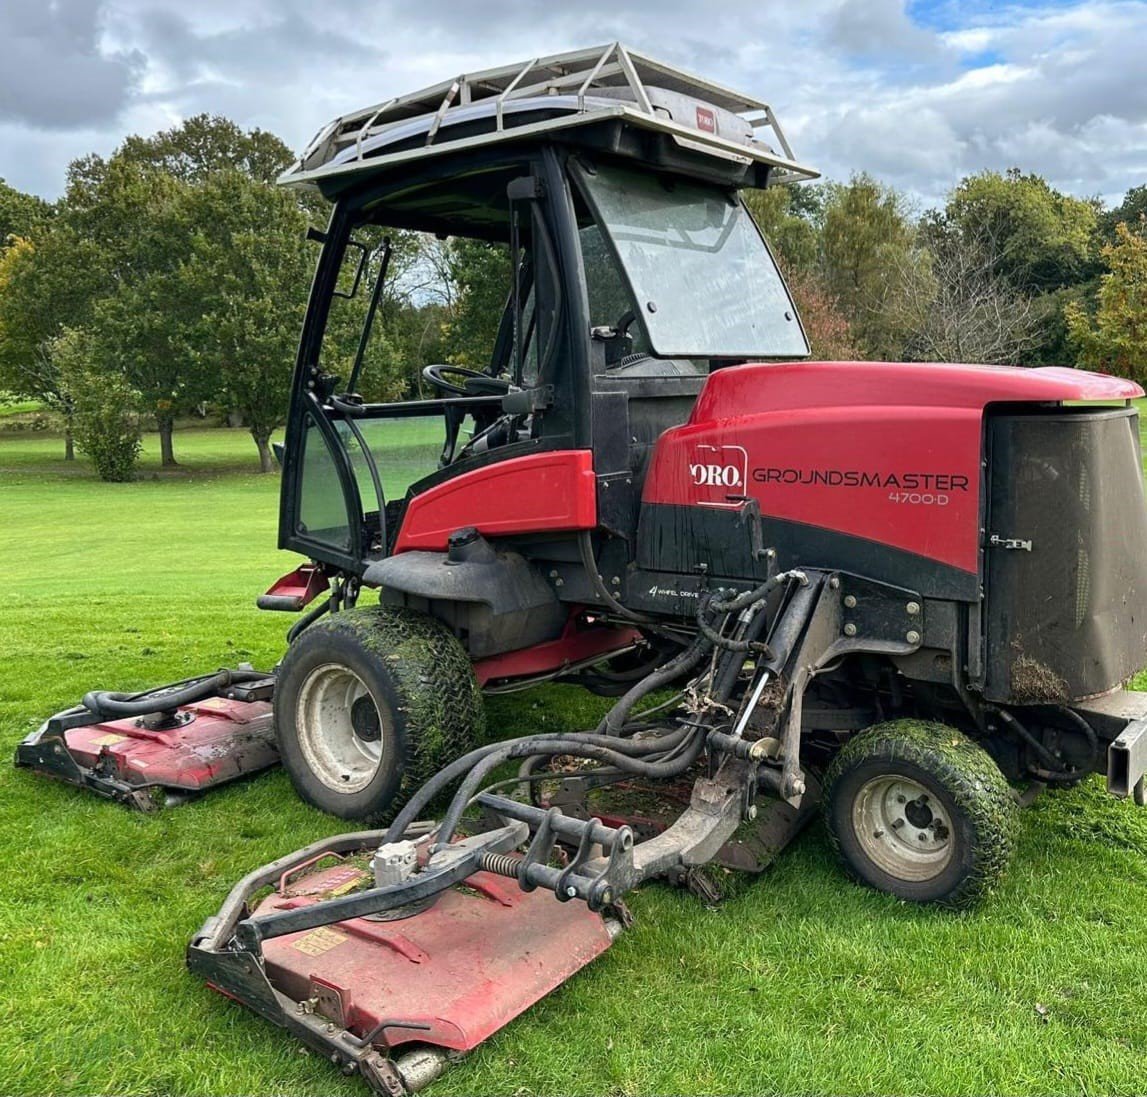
319, 941
347, 885
108, 740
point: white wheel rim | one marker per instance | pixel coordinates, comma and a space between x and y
331, 728
903, 828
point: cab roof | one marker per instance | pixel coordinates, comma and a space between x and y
564, 95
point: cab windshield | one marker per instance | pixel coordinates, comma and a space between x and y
702, 278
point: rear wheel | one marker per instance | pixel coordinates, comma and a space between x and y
920, 811
370, 703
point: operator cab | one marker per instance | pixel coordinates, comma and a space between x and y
633, 270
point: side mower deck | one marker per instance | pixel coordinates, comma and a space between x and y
183, 750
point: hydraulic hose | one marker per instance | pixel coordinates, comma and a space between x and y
165, 698
1054, 772
712, 604
654, 770
685, 661
553, 744
589, 565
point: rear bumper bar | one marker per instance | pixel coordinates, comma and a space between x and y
1127, 762
1120, 722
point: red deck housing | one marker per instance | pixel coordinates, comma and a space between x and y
465, 967
224, 739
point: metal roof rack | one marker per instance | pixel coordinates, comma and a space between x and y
570, 89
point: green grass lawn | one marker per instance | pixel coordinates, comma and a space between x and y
800, 983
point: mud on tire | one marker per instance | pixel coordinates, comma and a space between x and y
370, 703
921, 811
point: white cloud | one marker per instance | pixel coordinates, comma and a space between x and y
858, 84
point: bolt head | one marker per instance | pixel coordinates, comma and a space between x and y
913, 608
913, 637
834, 583
850, 601
571, 892
850, 629
752, 812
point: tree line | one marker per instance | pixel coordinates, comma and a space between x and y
171, 278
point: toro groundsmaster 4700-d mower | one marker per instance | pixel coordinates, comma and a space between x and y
888, 591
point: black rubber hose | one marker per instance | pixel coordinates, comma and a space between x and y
711, 604
654, 770
1053, 763
309, 618
558, 745
1089, 734
165, 698
614, 720
589, 565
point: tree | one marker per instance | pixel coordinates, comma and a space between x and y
248, 272
1132, 211
20, 214
868, 248
826, 327
1115, 340
208, 143
481, 275
104, 408
45, 285
1042, 239
791, 232
958, 308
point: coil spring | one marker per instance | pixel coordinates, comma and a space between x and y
502, 864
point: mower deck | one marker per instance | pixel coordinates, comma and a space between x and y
450, 975
201, 745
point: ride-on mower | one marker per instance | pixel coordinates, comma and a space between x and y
894, 592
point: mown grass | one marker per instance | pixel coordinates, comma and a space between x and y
799, 983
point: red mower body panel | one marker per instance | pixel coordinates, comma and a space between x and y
222, 740
887, 452
463, 968
539, 493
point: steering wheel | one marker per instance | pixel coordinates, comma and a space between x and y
474, 383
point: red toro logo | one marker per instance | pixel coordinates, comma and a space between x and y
719, 473
706, 120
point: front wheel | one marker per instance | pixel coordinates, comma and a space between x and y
920, 811
369, 704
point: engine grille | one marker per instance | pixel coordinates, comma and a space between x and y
1067, 616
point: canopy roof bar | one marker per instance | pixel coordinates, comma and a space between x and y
572, 88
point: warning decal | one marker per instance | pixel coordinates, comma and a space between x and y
319, 941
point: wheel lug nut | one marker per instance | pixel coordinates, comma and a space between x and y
897, 824
878, 834
900, 800
922, 836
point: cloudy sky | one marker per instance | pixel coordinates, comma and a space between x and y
917, 93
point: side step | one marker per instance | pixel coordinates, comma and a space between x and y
183, 750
